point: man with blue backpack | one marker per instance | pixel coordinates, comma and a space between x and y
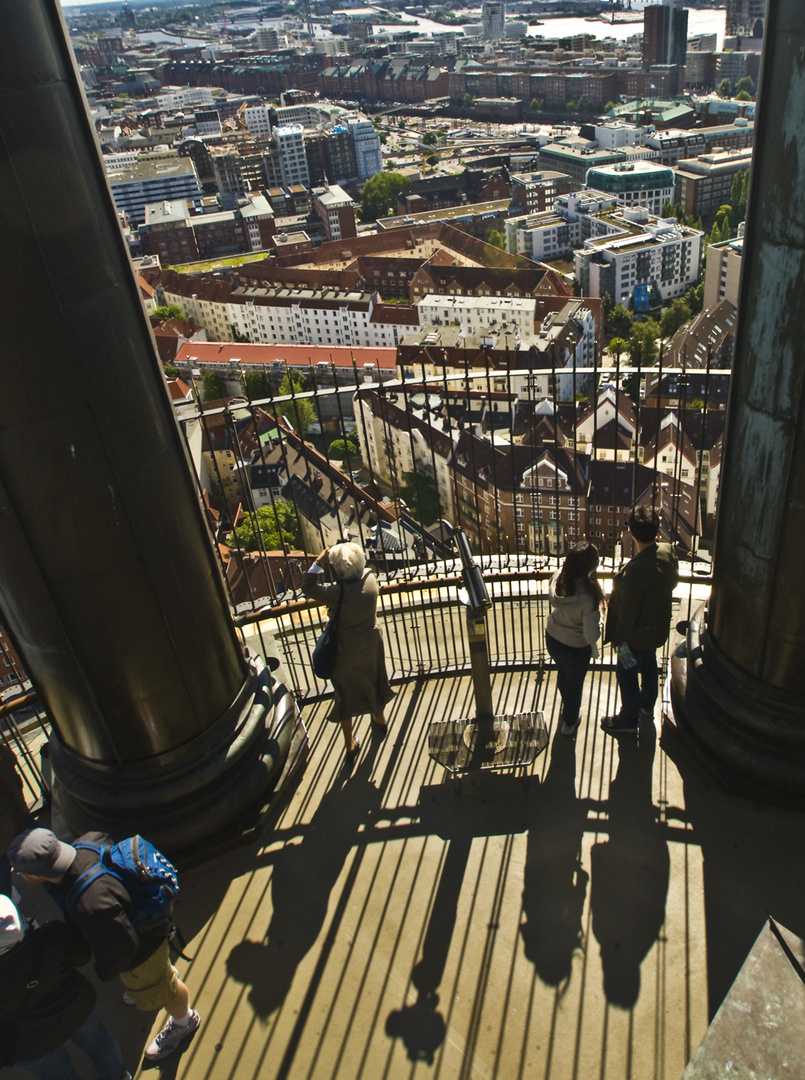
119, 898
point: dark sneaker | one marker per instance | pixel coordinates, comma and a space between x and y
613, 725
570, 729
171, 1037
645, 714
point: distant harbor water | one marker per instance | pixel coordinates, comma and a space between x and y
699, 22
707, 21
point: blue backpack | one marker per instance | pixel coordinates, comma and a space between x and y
148, 877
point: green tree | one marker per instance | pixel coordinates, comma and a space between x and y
674, 316
694, 297
337, 450
418, 490
347, 449
171, 371
724, 212
725, 88
745, 84
667, 209
742, 95
300, 411
617, 347
739, 190
496, 238
621, 320
168, 311
429, 138
468, 100
607, 305
609, 107
379, 194
432, 159
257, 385
535, 105
643, 342
212, 387
267, 528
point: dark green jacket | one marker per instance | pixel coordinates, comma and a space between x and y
639, 610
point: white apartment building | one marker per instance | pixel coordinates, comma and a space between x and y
367, 147
152, 181
183, 97
723, 278
309, 116
257, 119
554, 354
123, 159
615, 135
293, 316
575, 218
474, 314
651, 262
290, 143
493, 20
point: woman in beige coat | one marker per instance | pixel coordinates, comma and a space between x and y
360, 681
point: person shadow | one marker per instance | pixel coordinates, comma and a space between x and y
303, 878
420, 1026
630, 872
488, 805
554, 881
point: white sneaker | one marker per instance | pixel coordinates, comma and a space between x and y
570, 729
171, 1036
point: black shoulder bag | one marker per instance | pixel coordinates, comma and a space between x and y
326, 650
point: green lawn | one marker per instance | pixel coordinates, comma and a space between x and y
214, 264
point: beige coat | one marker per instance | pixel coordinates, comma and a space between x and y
360, 681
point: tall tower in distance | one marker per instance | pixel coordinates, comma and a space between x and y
665, 33
745, 18
493, 20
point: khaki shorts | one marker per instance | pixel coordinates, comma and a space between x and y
152, 984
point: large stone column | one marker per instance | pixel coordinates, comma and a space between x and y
108, 579
739, 693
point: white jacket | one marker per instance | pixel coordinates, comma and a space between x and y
574, 620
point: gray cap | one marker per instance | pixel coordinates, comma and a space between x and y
40, 852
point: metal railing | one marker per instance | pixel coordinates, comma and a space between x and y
437, 433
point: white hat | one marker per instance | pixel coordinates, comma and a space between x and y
11, 925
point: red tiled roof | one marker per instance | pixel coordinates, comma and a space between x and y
179, 391
223, 352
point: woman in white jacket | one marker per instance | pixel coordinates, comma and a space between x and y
574, 627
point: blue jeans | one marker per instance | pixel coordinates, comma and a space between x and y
96, 1042
571, 667
638, 685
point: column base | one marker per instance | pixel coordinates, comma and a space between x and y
185, 807
751, 737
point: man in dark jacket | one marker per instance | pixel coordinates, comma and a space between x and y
104, 916
639, 619
46, 1001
